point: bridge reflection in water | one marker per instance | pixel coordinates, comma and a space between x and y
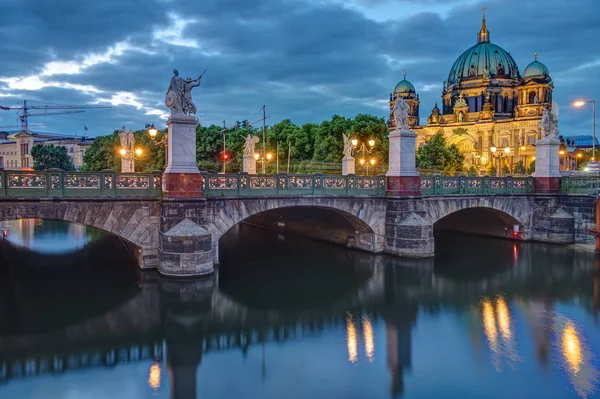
507, 300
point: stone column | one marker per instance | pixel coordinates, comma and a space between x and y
249, 164
182, 177
547, 177
127, 164
402, 175
348, 166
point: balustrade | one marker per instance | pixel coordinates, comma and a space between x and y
58, 183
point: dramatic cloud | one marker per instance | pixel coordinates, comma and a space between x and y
304, 59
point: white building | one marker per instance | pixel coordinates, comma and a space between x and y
15, 149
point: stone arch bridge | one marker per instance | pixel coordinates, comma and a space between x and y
180, 236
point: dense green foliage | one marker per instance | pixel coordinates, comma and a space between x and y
104, 153
312, 147
519, 168
531, 168
436, 154
51, 157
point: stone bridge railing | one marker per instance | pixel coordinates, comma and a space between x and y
109, 184
57, 183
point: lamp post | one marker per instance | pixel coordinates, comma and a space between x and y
263, 160
130, 156
152, 131
364, 150
499, 155
581, 103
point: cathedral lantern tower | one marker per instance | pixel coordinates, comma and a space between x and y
535, 92
404, 89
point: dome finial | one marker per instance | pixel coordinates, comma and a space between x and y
535, 54
404, 74
484, 34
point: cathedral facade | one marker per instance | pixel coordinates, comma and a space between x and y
486, 104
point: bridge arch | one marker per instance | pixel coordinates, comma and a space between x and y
366, 216
136, 222
520, 208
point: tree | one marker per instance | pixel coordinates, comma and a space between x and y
505, 169
519, 168
472, 171
102, 153
437, 155
490, 169
531, 168
51, 157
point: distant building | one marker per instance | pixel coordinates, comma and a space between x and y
15, 149
485, 103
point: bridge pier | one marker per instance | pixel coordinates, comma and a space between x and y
185, 247
407, 232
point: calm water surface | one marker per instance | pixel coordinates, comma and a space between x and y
291, 318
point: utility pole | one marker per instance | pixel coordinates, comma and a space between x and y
264, 142
224, 146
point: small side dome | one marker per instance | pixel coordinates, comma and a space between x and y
404, 86
536, 69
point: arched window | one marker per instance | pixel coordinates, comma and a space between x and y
532, 96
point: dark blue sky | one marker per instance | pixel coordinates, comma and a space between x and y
304, 59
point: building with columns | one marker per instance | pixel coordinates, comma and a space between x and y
15, 149
485, 103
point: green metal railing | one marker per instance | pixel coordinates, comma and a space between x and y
440, 185
580, 185
58, 183
108, 184
233, 185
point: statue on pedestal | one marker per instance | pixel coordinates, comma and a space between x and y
401, 109
549, 124
179, 94
251, 141
348, 147
127, 140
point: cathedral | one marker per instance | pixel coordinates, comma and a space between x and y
486, 105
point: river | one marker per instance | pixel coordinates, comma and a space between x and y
286, 317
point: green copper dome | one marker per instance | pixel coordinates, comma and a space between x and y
536, 69
483, 60
404, 86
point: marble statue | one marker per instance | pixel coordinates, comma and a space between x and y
486, 73
127, 139
179, 94
348, 147
401, 108
251, 141
549, 124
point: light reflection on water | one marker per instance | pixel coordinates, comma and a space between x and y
47, 236
471, 335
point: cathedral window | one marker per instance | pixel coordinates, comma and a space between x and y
532, 97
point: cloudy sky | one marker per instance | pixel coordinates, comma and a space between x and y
304, 59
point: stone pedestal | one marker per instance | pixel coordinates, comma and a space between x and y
182, 177
547, 177
402, 175
127, 165
185, 250
348, 166
249, 164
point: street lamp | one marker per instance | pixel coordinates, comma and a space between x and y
499, 155
152, 131
130, 155
264, 160
364, 150
579, 104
